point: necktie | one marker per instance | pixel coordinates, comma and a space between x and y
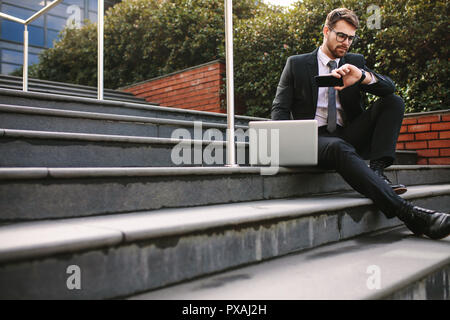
331, 126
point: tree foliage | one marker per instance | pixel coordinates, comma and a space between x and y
143, 39
149, 38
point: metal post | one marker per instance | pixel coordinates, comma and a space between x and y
25, 35
100, 50
25, 58
231, 161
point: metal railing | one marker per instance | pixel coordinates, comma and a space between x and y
100, 23
231, 157
25, 35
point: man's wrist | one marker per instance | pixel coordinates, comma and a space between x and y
369, 79
363, 77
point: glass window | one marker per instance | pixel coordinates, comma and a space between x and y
34, 5
77, 2
16, 57
9, 68
51, 36
17, 12
93, 16
93, 5
60, 10
12, 31
56, 23
36, 36
33, 58
12, 56
22, 14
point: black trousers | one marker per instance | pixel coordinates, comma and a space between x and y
372, 135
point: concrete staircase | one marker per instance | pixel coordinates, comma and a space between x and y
75, 90
390, 264
91, 186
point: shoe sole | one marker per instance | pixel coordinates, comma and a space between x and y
399, 190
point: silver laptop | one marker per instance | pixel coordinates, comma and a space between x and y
283, 143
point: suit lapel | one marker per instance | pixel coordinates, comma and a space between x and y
313, 69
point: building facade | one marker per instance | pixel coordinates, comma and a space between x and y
43, 31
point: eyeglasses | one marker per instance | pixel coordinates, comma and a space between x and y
341, 37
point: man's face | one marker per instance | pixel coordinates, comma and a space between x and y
335, 48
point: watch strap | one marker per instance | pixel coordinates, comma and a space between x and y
363, 76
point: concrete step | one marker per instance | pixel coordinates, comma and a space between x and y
27, 148
55, 120
14, 79
383, 265
49, 193
76, 94
405, 157
122, 255
35, 85
61, 102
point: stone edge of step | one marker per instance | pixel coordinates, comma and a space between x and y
20, 173
53, 83
57, 97
52, 135
44, 238
354, 279
105, 116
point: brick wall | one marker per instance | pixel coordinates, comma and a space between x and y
195, 88
429, 135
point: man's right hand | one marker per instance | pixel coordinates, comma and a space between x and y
350, 75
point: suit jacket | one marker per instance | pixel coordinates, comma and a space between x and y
297, 92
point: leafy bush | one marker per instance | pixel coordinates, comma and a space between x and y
142, 39
148, 38
411, 47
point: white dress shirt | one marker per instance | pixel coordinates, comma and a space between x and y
322, 98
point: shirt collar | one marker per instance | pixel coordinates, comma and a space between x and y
324, 59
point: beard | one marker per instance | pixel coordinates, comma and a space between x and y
338, 51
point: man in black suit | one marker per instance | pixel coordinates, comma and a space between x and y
348, 132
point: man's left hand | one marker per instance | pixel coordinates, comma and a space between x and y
350, 75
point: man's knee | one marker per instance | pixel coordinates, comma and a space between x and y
335, 152
393, 102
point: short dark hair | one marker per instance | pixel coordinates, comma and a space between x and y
341, 14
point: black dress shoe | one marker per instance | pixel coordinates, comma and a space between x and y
398, 188
378, 167
433, 224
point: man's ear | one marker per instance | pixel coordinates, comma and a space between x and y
325, 31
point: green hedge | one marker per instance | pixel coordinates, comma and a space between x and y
143, 39
411, 47
149, 38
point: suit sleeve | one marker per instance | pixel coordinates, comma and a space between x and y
281, 106
383, 87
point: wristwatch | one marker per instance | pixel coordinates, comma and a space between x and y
363, 76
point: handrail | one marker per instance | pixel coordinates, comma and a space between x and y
231, 161
100, 23
42, 11
25, 36
12, 18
